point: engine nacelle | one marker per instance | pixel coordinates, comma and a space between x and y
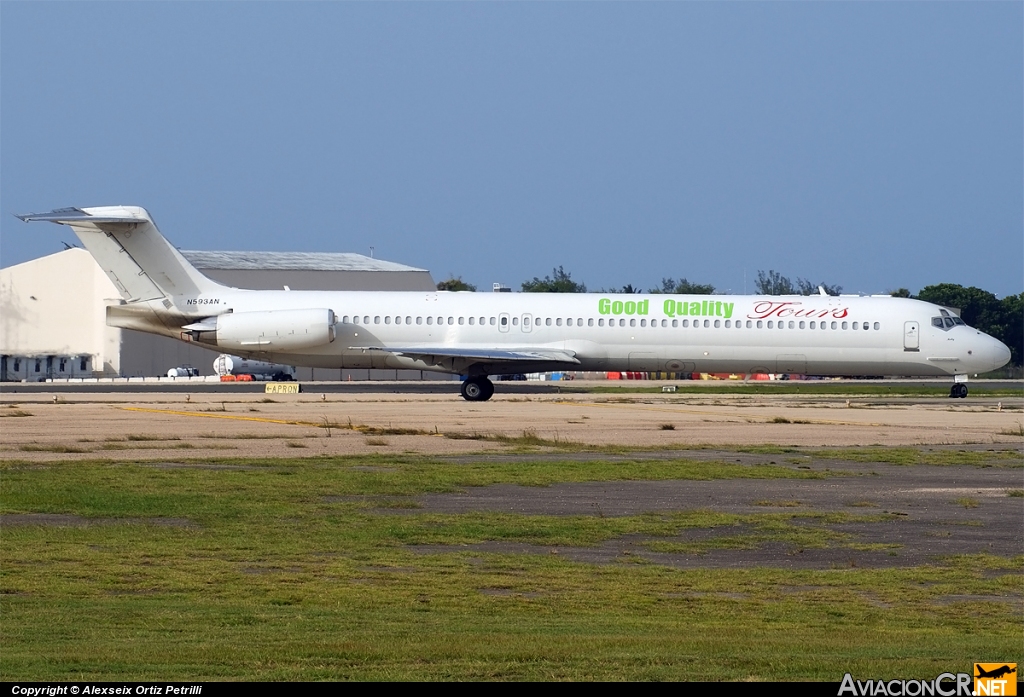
275, 330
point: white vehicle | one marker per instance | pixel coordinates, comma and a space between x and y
261, 370
484, 334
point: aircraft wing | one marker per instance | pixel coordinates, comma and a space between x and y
525, 355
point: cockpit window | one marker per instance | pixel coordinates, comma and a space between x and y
947, 321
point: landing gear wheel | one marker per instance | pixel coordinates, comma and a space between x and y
958, 391
477, 389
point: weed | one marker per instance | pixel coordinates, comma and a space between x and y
16, 412
268, 400
328, 424
1019, 431
780, 420
667, 427
777, 504
35, 448
376, 441
1016, 493
295, 444
967, 503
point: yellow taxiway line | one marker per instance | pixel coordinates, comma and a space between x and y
225, 416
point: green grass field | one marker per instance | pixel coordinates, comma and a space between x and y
305, 569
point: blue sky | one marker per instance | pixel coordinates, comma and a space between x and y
870, 145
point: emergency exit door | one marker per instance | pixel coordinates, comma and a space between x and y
911, 336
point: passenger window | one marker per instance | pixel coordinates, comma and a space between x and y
643, 323
419, 320
558, 321
471, 321
718, 323
801, 325
504, 321
492, 321
865, 325
686, 323
387, 320
515, 321
844, 325
344, 320
451, 320
430, 320
483, 321
792, 325
590, 322
408, 320
760, 324
728, 324
579, 321
568, 322
855, 326
877, 325
622, 323
835, 325
771, 325
600, 322
440, 320
813, 325
462, 320
750, 324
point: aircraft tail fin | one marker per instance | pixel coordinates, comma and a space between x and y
129, 248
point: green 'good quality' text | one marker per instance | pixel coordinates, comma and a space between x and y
672, 308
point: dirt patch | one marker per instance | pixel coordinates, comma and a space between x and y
918, 522
211, 425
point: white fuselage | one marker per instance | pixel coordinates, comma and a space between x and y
819, 335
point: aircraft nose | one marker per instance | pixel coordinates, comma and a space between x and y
997, 353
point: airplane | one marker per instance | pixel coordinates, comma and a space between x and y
479, 335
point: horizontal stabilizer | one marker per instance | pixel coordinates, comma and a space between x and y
522, 355
67, 216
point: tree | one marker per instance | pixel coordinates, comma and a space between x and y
558, 282
773, 283
455, 283
683, 287
1013, 321
808, 288
900, 293
628, 289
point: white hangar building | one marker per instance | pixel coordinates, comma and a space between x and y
53, 311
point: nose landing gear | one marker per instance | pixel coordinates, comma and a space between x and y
478, 389
958, 391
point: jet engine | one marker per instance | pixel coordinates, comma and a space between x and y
271, 330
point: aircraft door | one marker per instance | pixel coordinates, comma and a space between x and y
503, 322
911, 336
527, 321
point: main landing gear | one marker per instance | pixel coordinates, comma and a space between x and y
958, 391
478, 389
